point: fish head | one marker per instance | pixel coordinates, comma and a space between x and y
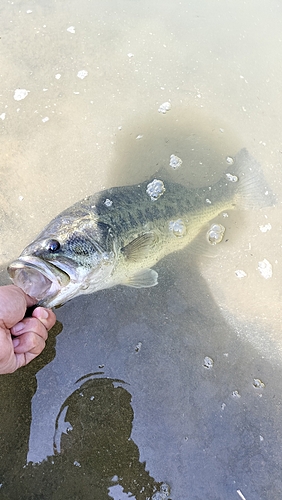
72, 256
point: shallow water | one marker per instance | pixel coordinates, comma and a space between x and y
211, 433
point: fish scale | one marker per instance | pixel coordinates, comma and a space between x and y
116, 236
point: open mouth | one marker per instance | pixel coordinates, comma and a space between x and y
37, 278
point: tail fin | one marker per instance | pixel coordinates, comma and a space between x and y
253, 189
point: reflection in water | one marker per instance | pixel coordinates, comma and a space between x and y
17, 390
94, 456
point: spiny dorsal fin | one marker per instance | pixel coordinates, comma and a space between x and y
139, 247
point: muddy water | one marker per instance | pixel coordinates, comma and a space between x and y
149, 408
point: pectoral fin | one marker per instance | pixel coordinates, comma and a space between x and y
140, 247
142, 279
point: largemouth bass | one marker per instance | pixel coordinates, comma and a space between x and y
115, 236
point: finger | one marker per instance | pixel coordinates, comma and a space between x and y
12, 304
29, 342
30, 301
46, 316
29, 325
22, 359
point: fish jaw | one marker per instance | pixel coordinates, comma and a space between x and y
36, 278
53, 284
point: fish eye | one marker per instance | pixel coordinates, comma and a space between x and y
53, 246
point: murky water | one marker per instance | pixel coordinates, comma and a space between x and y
140, 389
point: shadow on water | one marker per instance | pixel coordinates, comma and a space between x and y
208, 432
94, 456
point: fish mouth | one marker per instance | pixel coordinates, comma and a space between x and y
38, 278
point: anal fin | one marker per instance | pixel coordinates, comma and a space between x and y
142, 279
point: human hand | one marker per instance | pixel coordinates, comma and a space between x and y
21, 340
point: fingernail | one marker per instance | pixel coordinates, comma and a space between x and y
44, 314
16, 342
18, 327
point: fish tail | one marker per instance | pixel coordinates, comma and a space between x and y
253, 190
